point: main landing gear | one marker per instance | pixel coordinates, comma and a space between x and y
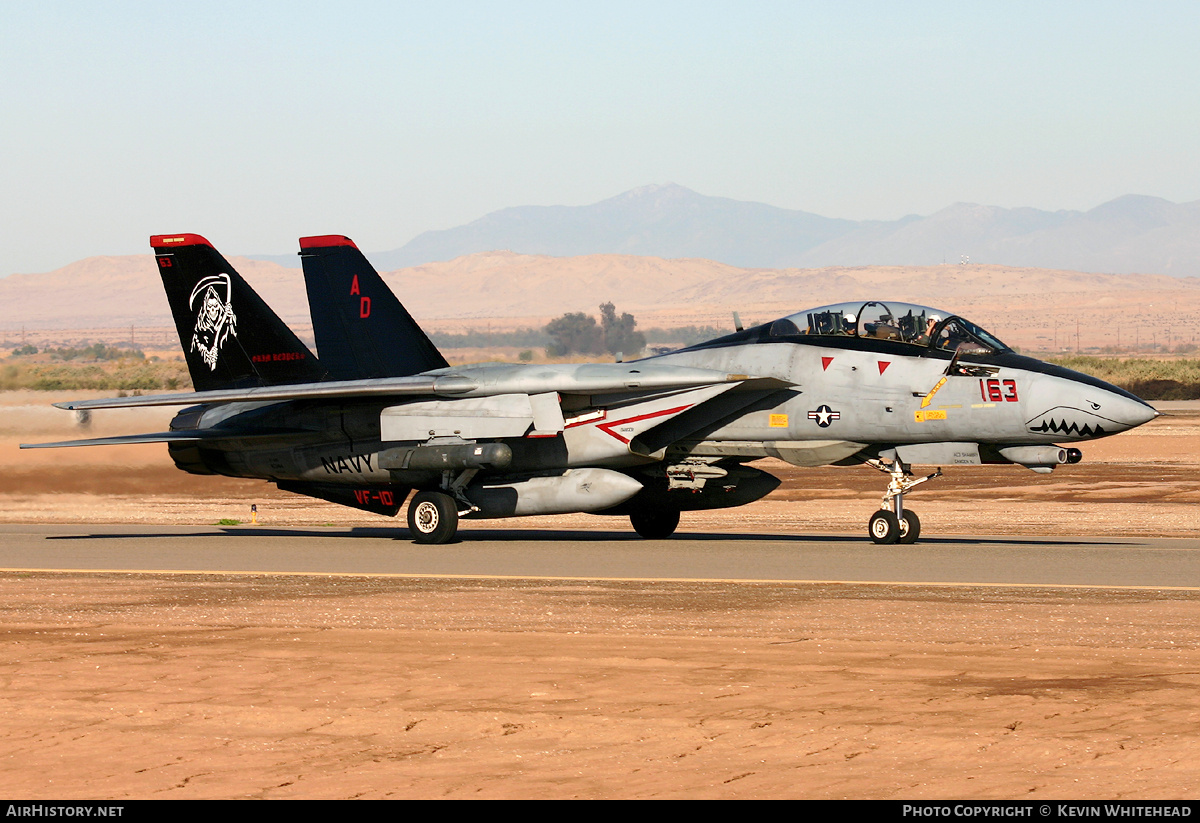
655, 524
433, 515
892, 523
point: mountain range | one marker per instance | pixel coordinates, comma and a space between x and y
1131, 234
678, 257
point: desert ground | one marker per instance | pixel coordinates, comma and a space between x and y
120, 299
153, 685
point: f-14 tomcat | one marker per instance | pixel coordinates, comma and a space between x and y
382, 414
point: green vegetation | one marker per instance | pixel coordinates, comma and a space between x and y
1176, 379
95, 366
529, 338
225, 521
96, 351
119, 375
685, 335
488, 340
579, 333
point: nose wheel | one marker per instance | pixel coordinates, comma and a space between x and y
893, 523
885, 528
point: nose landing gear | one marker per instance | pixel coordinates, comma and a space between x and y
884, 527
892, 523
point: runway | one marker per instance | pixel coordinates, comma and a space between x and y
1161, 563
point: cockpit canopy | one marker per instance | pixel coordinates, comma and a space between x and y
901, 322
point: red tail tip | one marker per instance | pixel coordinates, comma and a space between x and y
325, 241
169, 241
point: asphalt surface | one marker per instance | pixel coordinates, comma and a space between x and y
526, 553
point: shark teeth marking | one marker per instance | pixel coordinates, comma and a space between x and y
1073, 428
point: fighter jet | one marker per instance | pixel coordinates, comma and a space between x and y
381, 414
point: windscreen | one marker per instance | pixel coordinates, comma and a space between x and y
900, 322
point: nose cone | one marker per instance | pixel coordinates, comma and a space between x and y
1084, 411
1126, 411
1144, 413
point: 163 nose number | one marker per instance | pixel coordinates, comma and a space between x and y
996, 391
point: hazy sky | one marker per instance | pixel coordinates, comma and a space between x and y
256, 123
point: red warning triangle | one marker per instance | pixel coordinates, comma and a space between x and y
825, 361
883, 364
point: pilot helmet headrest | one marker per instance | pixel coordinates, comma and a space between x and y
935, 318
849, 318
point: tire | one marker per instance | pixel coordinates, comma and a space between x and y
910, 527
655, 524
883, 527
432, 517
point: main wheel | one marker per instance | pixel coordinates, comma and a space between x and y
655, 524
910, 527
432, 517
884, 527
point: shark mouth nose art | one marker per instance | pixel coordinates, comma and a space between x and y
1119, 414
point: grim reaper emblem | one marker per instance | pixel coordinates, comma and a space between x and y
215, 321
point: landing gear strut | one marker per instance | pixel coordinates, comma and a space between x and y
892, 523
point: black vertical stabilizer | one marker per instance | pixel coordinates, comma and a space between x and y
230, 337
362, 331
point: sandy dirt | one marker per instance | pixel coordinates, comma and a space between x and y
130, 686
185, 686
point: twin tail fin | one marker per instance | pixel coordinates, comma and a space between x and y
362, 330
231, 338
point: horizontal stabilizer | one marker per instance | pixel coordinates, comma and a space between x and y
207, 435
121, 440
